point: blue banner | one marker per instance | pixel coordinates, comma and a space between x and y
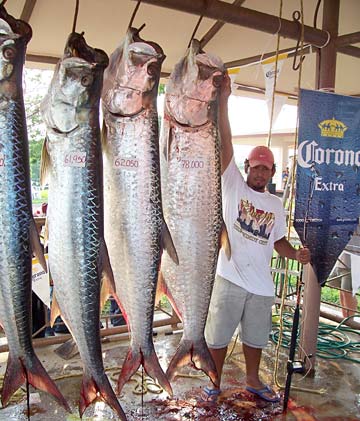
328, 175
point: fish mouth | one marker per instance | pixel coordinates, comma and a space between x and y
127, 115
64, 132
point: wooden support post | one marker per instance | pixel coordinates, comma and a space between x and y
310, 317
326, 68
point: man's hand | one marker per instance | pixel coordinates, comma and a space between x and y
225, 88
303, 255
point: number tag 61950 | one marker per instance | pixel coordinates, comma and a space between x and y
75, 159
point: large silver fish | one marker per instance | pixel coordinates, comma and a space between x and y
19, 237
135, 230
191, 180
78, 258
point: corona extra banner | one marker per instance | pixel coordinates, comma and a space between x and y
327, 205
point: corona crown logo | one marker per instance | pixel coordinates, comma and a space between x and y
332, 128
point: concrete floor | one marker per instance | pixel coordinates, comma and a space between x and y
339, 380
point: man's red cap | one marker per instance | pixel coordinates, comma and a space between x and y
261, 155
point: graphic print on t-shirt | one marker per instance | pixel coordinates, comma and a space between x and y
254, 224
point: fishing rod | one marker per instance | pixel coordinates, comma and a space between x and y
297, 366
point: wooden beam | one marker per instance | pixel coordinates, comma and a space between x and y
225, 12
37, 58
216, 27
327, 68
350, 51
348, 39
27, 10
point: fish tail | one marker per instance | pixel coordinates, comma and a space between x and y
195, 353
92, 390
19, 370
154, 370
151, 366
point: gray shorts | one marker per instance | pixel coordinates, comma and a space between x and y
232, 306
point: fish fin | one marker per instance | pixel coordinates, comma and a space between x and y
224, 241
130, 365
92, 391
55, 310
104, 138
30, 369
195, 353
161, 290
167, 243
153, 369
134, 359
36, 245
108, 282
45, 162
67, 350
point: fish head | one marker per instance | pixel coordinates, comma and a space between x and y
14, 36
193, 87
132, 78
75, 89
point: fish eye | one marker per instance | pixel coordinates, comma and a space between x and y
153, 69
217, 81
87, 80
9, 53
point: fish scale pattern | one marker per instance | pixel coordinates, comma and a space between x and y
75, 219
133, 219
15, 216
192, 198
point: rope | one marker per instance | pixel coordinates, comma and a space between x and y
291, 203
275, 77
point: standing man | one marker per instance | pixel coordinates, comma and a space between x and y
243, 292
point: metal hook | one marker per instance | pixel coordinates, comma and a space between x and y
134, 14
198, 22
75, 15
296, 18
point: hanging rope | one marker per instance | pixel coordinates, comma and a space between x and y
290, 221
275, 77
134, 14
75, 15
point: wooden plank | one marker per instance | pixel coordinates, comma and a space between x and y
225, 12
27, 10
348, 39
216, 27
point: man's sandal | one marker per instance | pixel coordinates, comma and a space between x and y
210, 395
262, 393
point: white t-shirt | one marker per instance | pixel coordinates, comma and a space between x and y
254, 221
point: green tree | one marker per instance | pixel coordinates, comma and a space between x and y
36, 83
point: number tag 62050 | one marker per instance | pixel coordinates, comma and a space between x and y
126, 163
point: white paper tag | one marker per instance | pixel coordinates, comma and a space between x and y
2, 160
75, 159
126, 163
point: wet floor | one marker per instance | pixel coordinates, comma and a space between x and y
333, 393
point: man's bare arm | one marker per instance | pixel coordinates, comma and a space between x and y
224, 124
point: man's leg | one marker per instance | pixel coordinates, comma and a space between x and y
218, 355
252, 363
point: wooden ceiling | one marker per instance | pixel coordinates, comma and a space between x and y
241, 32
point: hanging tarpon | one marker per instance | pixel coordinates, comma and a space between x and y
19, 237
78, 258
191, 180
135, 229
